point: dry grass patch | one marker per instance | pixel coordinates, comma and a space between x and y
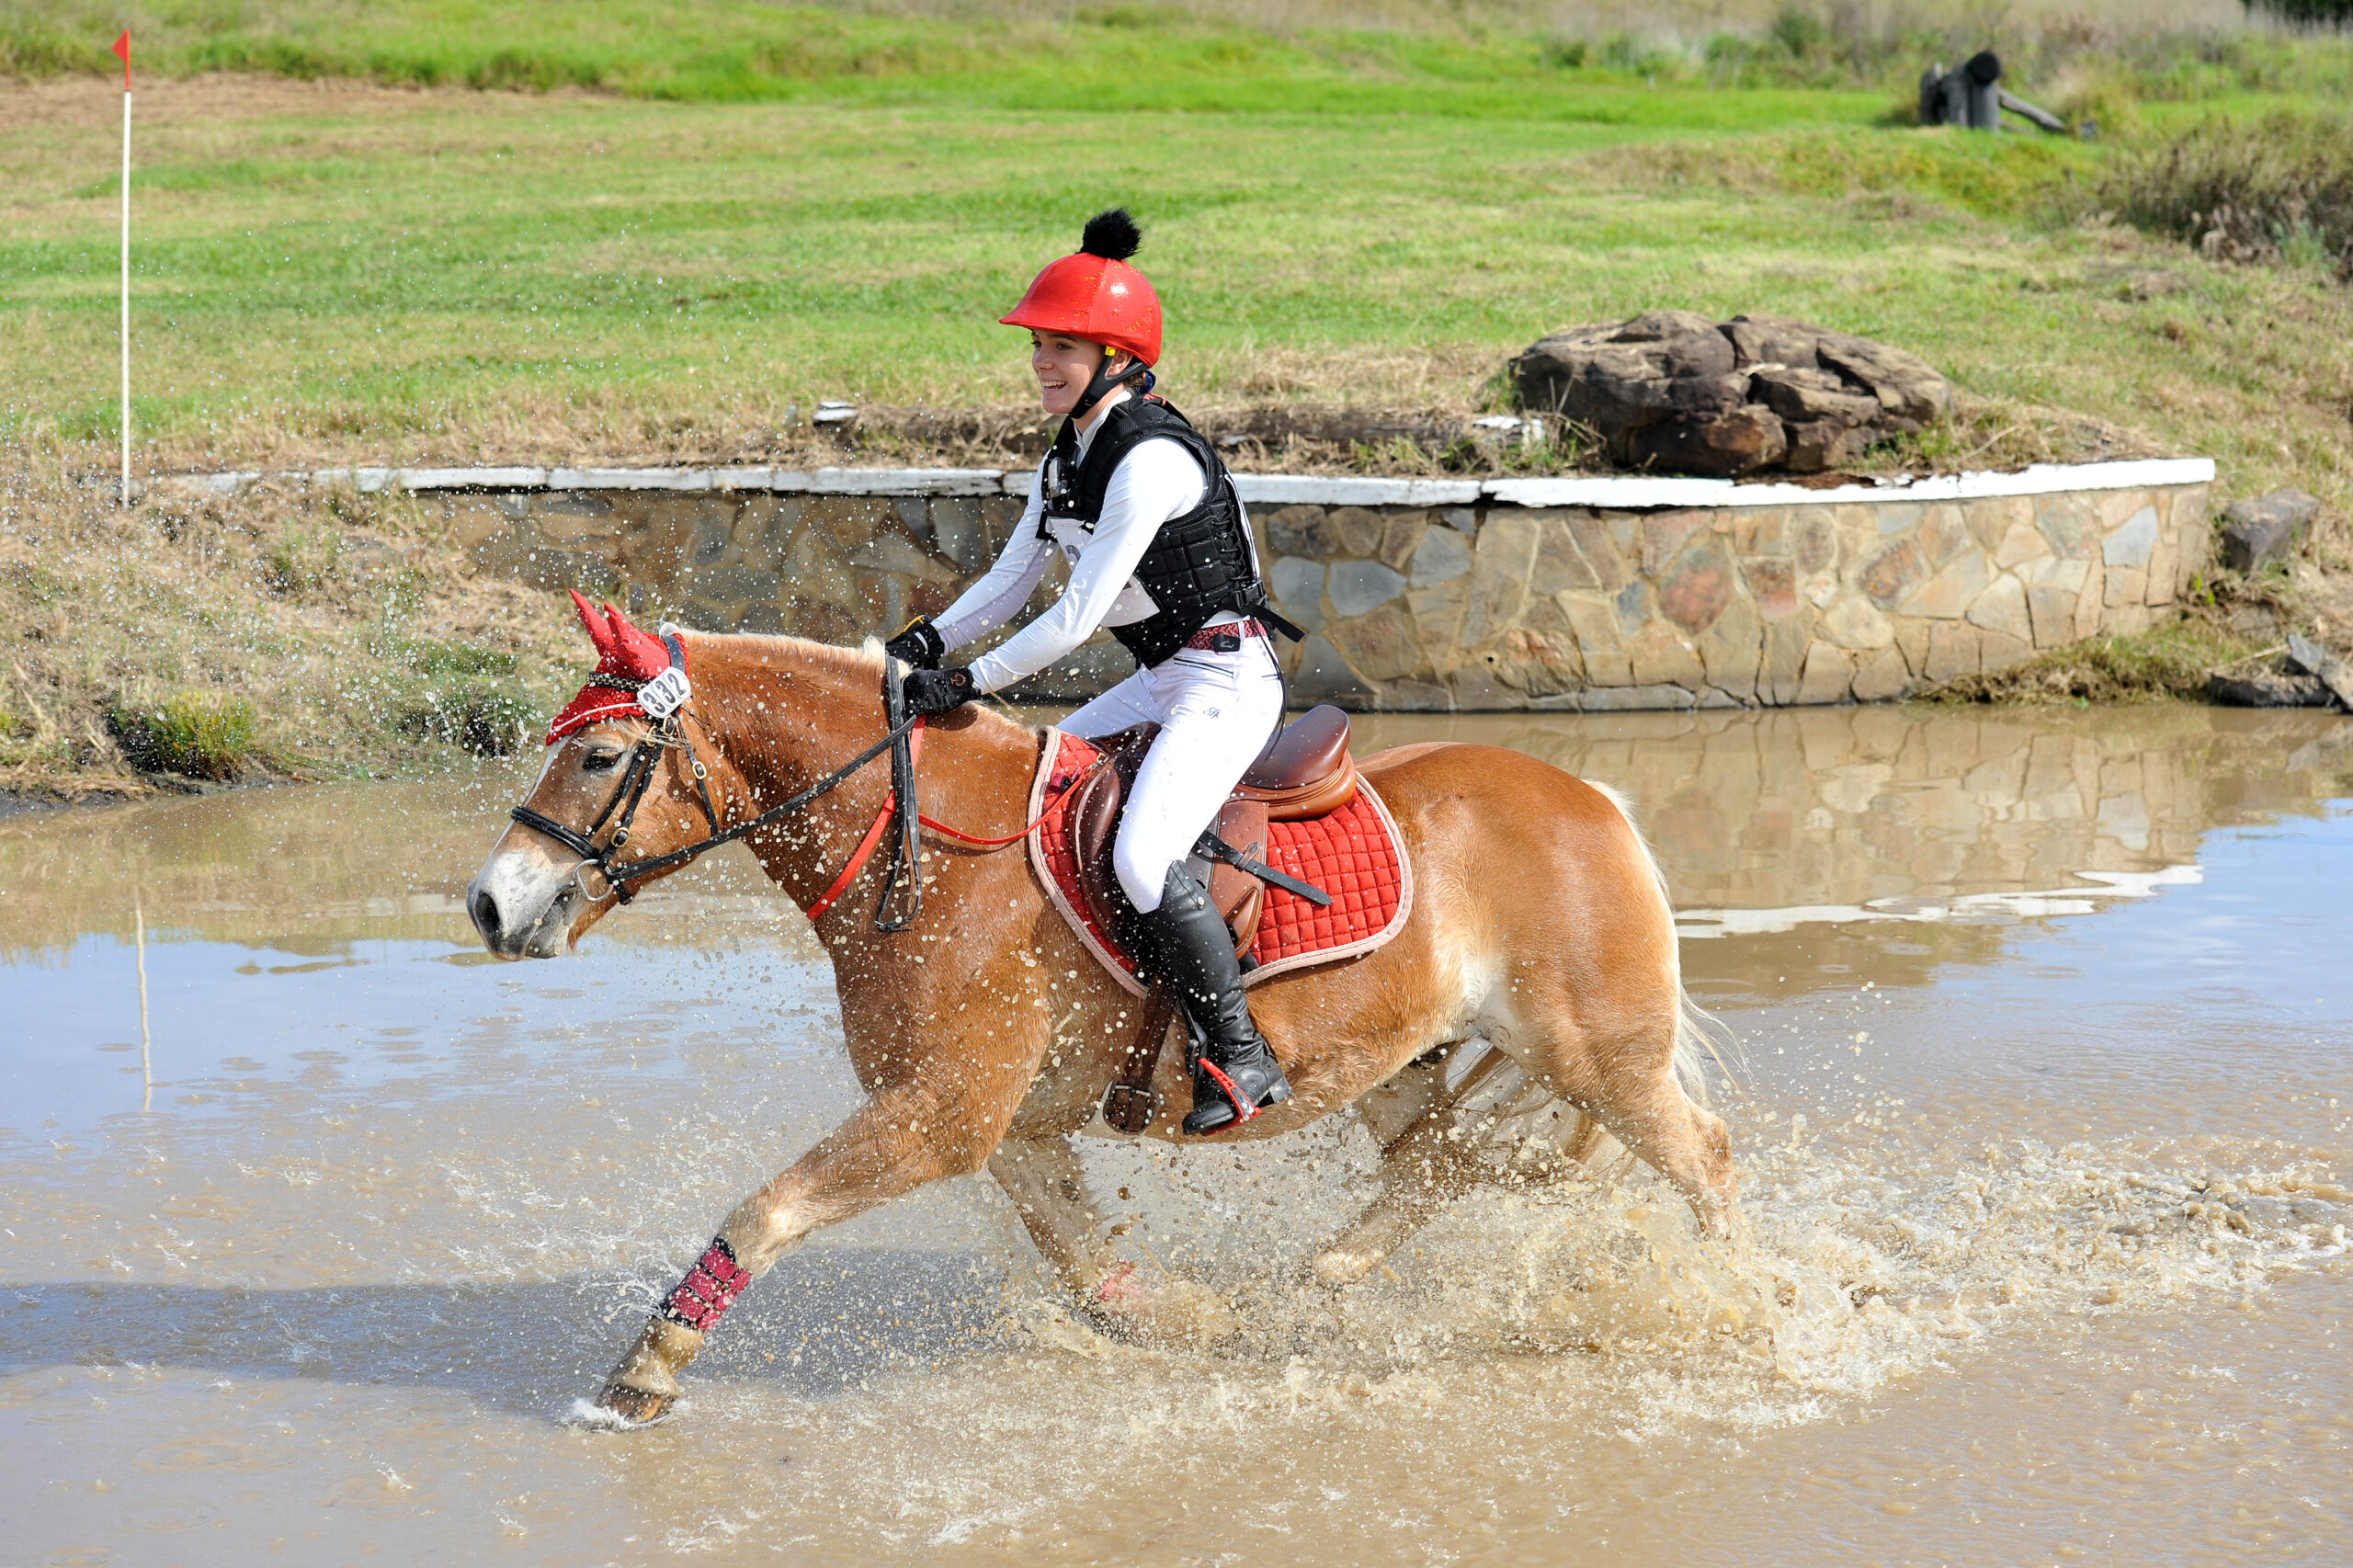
277, 634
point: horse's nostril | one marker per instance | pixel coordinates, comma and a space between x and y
485, 910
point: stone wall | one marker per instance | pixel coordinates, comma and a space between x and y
1436, 595
1770, 605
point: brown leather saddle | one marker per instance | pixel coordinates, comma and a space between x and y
1304, 772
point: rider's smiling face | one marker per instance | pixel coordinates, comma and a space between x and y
1064, 365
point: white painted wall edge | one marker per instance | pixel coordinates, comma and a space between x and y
1613, 493
1641, 493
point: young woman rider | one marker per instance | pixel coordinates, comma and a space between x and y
1161, 554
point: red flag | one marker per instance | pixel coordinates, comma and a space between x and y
122, 47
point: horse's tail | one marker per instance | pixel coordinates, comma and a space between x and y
1700, 1036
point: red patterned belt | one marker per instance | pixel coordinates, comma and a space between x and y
1205, 638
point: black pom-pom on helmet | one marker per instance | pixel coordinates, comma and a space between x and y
1113, 235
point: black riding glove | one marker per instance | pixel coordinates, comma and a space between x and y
937, 691
919, 644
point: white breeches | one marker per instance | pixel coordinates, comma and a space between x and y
1216, 712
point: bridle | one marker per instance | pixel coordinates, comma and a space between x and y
668, 733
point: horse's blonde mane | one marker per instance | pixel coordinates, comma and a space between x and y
865, 660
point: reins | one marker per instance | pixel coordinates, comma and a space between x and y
903, 738
865, 849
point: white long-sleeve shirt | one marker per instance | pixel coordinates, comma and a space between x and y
1157, 480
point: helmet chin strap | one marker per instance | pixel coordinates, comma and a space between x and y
1101, 386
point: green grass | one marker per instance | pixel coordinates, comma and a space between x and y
2168, 663
734, 52
328, 272
197, 734
1470, 56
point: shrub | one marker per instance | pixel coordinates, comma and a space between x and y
300, 562
2168, 662
435, 660
1799, 32
2307, 13
476, 715
2258, 191
197, 735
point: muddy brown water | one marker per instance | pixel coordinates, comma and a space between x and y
2042, 1118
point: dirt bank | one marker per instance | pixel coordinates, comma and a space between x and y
2231, 643
281, 635
183, 645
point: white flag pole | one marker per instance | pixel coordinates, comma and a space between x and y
125, 48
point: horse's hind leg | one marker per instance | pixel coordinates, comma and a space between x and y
1686, 1144
1629, 1085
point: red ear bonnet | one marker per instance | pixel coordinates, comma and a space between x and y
626, 659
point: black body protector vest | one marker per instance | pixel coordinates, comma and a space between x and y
1198, 564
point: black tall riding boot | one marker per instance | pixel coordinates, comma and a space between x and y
1182, 942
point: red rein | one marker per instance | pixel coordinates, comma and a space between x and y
866, 847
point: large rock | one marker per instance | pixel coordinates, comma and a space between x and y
2334, 670
2255, 532
2268, 684
1673, 391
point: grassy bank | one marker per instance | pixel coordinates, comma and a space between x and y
193, 644
697, 223
1469, 56
666, 235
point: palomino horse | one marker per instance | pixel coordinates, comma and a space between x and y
986, 1035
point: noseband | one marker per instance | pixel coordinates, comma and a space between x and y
669, 731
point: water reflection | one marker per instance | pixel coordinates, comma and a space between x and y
310, 870
1892, 839
1762, 822
1804, 848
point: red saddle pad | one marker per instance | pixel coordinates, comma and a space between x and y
1353, 854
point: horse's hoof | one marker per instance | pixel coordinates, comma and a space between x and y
1336, 1269
642, 1390
1111, 1307
1161, 1312
634, 1407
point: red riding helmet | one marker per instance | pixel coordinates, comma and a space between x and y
1096, 294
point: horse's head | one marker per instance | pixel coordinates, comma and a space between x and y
620, 786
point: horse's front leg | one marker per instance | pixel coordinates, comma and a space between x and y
1048, 1187
894, 1143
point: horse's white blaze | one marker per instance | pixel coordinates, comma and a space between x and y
528, 878
531, 891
